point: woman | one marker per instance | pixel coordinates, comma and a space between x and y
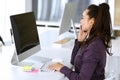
89, 53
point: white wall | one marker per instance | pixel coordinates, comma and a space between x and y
7, 8
2, 16
112, 7
28, 5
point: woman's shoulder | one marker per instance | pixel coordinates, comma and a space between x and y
97, 43
96, 40
96, 48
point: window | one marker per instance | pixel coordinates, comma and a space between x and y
51, 10
48, 10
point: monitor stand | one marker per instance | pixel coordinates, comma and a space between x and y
15, 61
74, 29
32, 60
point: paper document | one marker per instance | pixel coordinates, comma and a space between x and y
62, 41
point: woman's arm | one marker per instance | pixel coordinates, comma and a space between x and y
90, 61
74, 51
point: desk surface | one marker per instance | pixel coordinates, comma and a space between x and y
16, 73
10, 72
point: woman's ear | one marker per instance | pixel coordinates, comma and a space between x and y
92, 20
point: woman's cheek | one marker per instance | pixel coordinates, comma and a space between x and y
84, 27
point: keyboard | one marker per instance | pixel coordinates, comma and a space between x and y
44, 67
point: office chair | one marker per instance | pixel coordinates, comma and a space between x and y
110, 76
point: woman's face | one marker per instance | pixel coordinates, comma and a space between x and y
86, 22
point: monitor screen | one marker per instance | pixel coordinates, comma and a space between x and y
25, 35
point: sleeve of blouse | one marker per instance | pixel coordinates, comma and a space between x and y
88, 66
74, 51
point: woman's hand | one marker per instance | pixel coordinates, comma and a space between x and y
56, 66
82, 34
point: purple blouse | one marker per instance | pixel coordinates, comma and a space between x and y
89, 62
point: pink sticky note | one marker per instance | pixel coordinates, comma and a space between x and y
33, 71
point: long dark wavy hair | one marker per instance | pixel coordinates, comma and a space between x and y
102, 25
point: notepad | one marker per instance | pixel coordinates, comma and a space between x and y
28, 68
62, 41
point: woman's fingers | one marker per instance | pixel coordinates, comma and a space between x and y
82, 34
56, 66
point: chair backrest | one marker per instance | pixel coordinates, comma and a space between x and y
110, 76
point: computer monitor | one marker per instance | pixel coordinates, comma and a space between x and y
68, 14
74, 29
25, 36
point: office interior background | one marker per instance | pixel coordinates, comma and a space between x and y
49, 12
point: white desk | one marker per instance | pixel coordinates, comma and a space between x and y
10, 72
16, 73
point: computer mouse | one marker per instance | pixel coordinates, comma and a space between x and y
57, 60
